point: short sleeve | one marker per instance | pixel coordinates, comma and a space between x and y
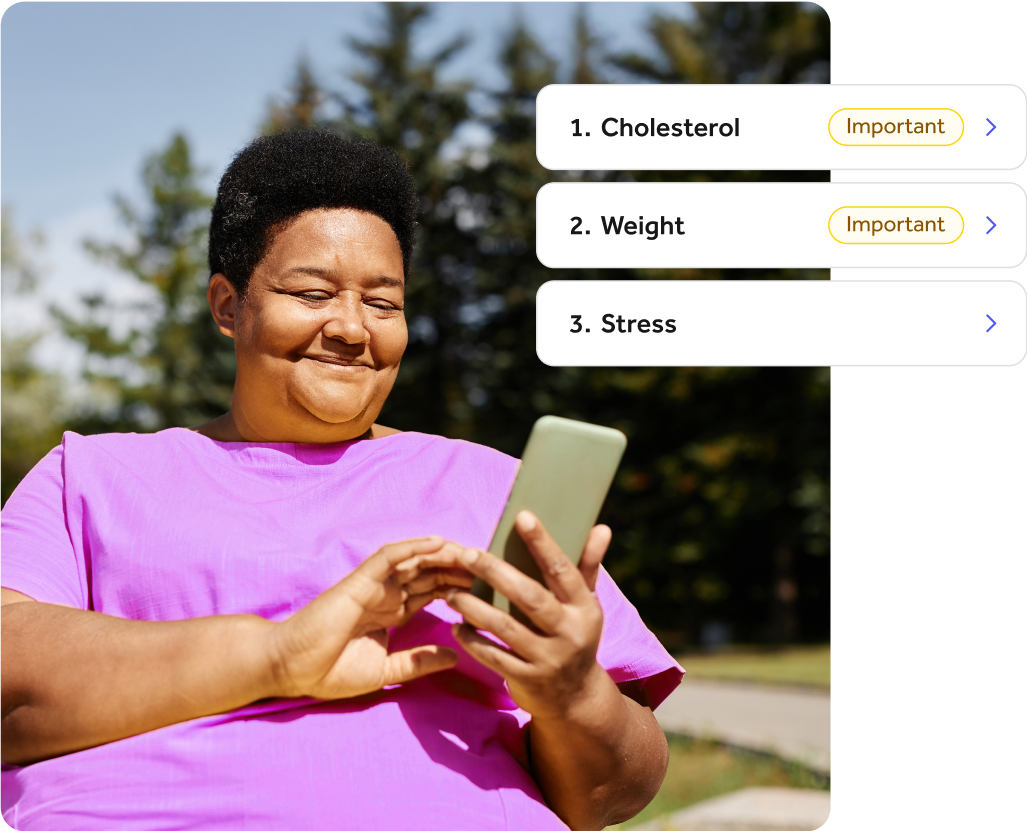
37, 557
628, 651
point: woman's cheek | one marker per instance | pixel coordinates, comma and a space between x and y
389, 341
287, 327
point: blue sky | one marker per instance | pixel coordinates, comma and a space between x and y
87, 90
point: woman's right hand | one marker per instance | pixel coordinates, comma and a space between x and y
337, 645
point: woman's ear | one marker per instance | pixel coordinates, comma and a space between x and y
224, 303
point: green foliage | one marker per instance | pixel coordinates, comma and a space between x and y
160, 361
720, 512
300, 110
721, 504
736, 43
30, 406
403, 105
20, 273
30, 397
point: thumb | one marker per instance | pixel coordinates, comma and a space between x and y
592, 557
409, 664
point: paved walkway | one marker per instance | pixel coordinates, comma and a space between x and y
871, 741
789, 809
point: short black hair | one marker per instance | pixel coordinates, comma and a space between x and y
276, 178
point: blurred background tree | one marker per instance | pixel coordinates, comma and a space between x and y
751, 557
736, 43
159, 361
30, 397
720, 511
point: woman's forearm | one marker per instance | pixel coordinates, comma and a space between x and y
602, 761
74, 679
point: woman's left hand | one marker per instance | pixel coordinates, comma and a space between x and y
552, 671
597, 755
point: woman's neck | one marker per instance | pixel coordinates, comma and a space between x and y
224, 428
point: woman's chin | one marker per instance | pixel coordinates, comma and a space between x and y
337, 412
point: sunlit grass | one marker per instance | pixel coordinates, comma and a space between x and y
701, 769
806, 666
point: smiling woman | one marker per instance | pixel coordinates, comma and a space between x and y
319, 331
308, 264
260, 622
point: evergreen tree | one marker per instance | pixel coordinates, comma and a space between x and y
720, 509
588, 51
301, 110
736, 43
721, 506
31, 398
159, 362
402, 104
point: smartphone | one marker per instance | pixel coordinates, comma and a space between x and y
566, 471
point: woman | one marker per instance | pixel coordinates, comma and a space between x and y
259, 623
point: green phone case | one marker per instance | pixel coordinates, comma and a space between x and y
566, 471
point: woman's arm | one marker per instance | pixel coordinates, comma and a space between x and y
602, 759
597, 755
73, 679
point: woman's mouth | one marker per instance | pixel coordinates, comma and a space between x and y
337, 363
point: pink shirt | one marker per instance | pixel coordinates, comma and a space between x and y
174, 525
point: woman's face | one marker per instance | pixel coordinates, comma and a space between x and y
321, 332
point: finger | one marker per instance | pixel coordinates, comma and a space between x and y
380, 564
560, 574
530, 596
416, 602
448, 556
409, 664
596, 546
457, 578
482, 615
490, 654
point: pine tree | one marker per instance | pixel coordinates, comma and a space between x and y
757, 561
721, 502
588, 51
301, 110
159, 362
736, 43
31, 398
720, 509
402, 104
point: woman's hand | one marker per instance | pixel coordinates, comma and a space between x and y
337, 645
74, 679
597, 755
552, 670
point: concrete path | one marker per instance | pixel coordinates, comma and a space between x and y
871, 741
791, 809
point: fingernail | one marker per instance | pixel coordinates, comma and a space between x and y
469, 555
527, 521
450, 595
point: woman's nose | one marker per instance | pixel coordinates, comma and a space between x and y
346, 321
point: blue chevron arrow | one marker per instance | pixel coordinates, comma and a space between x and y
992, 130
992, 323
993, 225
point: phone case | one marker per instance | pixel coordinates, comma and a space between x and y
566, 471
